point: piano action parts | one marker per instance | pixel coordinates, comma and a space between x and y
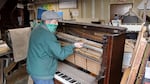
100, 59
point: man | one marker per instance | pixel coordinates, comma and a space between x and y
116, 17
45, 50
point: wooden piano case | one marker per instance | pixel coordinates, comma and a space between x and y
112, 39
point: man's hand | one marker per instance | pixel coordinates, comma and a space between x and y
78, 44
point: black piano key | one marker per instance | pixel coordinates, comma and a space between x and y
68, 78
60, 74
57, 72
77, 83
64, 76
72, 81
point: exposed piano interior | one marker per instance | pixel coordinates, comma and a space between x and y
99, 61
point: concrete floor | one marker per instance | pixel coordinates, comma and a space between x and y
18, 76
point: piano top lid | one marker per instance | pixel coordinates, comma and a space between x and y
114, 28
90, 24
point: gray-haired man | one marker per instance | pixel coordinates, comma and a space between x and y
45, 50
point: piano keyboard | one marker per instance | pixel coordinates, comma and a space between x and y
69, 75
65, 79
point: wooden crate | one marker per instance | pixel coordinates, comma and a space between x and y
71, 59
93, 66
80, 60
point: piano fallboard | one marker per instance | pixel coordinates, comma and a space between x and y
70, 75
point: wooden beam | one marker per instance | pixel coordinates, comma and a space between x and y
130, 73
125, 76
143, 64
137, 58
140, 35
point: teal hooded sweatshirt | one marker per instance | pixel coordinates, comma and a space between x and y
44, 52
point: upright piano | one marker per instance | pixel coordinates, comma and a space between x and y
100, 59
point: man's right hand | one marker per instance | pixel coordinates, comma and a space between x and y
78, 44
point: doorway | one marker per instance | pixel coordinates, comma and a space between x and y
119, 9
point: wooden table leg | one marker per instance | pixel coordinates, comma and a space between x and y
1, 71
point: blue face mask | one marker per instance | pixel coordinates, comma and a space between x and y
52, 27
